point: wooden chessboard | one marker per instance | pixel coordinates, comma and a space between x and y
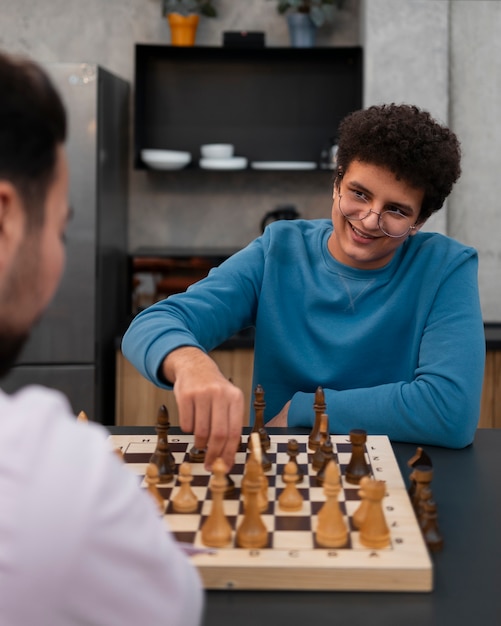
292, 558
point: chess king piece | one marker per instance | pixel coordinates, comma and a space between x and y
162, 456
374, 532
332, 531
252, 533
151, 478
185, 501
216, 530
357, 467
319, 407
290, 499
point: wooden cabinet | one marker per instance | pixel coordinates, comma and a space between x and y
490, 413
137, 399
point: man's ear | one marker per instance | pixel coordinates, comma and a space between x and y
417, 227
12, 219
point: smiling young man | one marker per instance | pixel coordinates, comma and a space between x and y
80, 543
384, 317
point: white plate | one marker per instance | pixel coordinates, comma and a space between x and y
235, 163
283, 165
166, 159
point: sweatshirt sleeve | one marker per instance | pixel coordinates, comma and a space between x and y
207, 314
441, 404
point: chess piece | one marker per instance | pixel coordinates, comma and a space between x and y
216, 530
374, 532
265, 439
328, 454
357, 467
421, 478
420, 458
82, 417
429, 524
332, 531
151, 478
196, 455
293, 452
185, 501
290, 499
265, 444
119, 453
319, 407
359, 515
162, 456
317, 460
256, 452
259, 406
252, 533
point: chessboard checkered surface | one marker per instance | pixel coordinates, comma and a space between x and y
292, 559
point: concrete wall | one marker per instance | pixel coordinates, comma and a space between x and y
443, 55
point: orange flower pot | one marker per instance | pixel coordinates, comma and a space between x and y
183, 28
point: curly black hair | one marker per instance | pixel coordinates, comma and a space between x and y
409, 142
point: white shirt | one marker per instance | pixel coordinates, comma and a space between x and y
80, 542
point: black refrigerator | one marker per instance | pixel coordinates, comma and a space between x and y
73, 348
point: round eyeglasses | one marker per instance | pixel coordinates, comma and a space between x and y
392, 222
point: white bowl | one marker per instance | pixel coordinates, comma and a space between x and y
217, 150
235, 163
166, 159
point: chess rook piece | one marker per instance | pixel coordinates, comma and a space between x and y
317, 460
185, 501
151, 479
357, 468
374, 532
290, 499
216, 530
252, 533
328, 454
162, 456
319, 407
293, 451
332, 531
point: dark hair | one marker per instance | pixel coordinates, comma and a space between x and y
32, 126
409, 142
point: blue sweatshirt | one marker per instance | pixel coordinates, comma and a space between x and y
398, 350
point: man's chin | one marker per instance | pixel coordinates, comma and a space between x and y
10, 349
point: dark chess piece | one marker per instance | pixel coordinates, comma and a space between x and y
357, 468
317, 460
263, 457
162, 457
197, 455
259, 405
293, 451
420, 478
429, 525
319, 407
420, 458
328, 452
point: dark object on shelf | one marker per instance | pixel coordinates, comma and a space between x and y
243, 39
286, 212
272, 104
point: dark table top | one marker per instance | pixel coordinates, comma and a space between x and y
467, 573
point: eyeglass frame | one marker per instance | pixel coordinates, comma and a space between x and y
379, 215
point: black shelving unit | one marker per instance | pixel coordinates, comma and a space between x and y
273, 104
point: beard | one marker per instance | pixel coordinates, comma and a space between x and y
10, 348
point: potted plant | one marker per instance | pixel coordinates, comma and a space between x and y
305, 16
183, 16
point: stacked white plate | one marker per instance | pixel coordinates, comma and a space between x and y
166, 159
232, 163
